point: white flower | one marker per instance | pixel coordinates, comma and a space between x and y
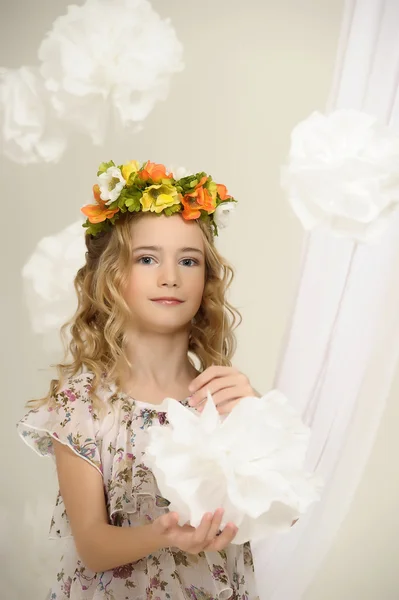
223, 213
343, 174
111, 184
48, 277
28, 131
249, 463
178, 172
109, 55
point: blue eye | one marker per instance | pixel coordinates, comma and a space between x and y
191, 261
145, 260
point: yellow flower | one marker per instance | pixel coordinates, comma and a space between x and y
131, 167
158, 197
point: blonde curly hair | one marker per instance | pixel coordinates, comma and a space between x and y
97, 337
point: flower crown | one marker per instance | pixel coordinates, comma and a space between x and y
149, 187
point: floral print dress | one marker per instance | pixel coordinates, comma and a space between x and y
113, 442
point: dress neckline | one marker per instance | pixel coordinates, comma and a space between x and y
150, 405
146, 405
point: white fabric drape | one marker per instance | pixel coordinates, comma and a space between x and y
342, 344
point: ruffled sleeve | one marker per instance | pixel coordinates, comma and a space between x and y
69, 418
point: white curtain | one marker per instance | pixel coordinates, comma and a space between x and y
342, 343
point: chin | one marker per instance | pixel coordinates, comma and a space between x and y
169, 328
165, 325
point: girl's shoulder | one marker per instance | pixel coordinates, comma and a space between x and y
81, 384
69, 417
82, 394
81, 387
77, 387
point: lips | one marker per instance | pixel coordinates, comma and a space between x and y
167, 300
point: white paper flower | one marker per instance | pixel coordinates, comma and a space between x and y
250, 463
343, 174
178, 172
100, 55
48, 277
223, 214
28, 130
111, 183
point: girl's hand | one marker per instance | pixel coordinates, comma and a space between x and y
193, 540
226, 384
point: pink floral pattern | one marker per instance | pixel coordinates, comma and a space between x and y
113, 442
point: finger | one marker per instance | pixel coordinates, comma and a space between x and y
238, 385
224, 401
215, 525
206, 376
201, 533
225, 538
214, 386
169, 521
225, 395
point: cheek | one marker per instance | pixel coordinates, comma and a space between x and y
197, 287
136, 288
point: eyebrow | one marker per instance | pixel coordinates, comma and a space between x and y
159, 249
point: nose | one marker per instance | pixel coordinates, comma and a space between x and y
169, 275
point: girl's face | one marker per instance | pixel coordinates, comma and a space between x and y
167, 276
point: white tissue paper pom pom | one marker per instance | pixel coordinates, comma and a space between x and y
250, 463
117, 54
48, 279
29, 133
343, 174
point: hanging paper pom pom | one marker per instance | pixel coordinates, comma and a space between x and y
343, 174
249, 463
29, 133
48, 277
109, 55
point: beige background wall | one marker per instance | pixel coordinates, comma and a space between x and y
253, 70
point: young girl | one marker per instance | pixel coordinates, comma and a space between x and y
151, 305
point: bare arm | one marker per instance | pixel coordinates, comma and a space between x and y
100, 546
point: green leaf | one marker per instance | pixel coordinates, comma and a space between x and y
126, 195
112, 220
133, 204
132, 178
114, 204
105, 166
171, 210
94, 228
120, 201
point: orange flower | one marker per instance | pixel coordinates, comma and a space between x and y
155, 172
222, 191
191, 208
199, 199
96, 213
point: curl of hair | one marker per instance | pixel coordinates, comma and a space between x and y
96, 335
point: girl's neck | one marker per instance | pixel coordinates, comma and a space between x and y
158, 363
